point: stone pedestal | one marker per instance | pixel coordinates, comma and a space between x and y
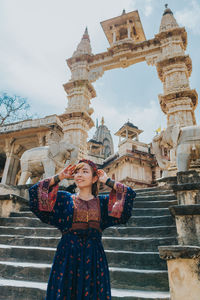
183, 271
187, 223
187, 188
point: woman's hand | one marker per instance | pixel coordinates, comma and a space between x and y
67, 172
102, 176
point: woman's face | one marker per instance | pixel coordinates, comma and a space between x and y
83, 177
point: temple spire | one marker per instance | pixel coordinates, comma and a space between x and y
84, 46
168, 21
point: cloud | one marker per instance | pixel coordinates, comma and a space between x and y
189, 16
36, 39
148, 8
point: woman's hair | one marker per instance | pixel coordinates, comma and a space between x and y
95, 186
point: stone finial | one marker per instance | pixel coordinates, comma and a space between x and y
86, 35
168, 21
84, 46
102, 121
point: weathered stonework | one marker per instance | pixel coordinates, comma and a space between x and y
183, 271
183, 261
10, 203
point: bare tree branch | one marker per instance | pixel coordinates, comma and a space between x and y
13, 108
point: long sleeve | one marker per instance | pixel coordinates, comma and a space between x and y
116, 207
50, 205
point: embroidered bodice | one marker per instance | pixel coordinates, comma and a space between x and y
87, 214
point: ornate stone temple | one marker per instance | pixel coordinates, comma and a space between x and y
33, 149
133, 164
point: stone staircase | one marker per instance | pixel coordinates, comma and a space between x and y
27, 248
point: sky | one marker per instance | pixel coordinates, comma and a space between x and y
37, 36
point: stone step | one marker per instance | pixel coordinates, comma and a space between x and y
125, 278
112, 243
154, 204
137, 244
31, 231
135, 221
124, 294
22, 290
151, 221
23, 214
30, 290
120, 277
25, 271
155, 198
155, 231
24, 221
154, 193
137, 212
26, 253
152, 189
145, 260
137, 260
151, 212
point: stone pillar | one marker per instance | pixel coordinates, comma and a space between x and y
184, 260
77, 116
174, 68
11, 167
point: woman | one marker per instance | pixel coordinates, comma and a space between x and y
80, 269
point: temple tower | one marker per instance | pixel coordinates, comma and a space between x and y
77, 117
174, 68
128, 138
126, 28
101, 145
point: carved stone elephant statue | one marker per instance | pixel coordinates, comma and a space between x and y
185, 141
46, 160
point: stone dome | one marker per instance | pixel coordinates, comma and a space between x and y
168, 21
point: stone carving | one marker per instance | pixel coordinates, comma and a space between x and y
46, 160
188, 147
161, 142
184, 141
95, 74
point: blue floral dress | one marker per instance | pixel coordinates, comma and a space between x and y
80, 269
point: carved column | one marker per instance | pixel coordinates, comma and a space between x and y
77, 117
178, 101
174, 67
12, 162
